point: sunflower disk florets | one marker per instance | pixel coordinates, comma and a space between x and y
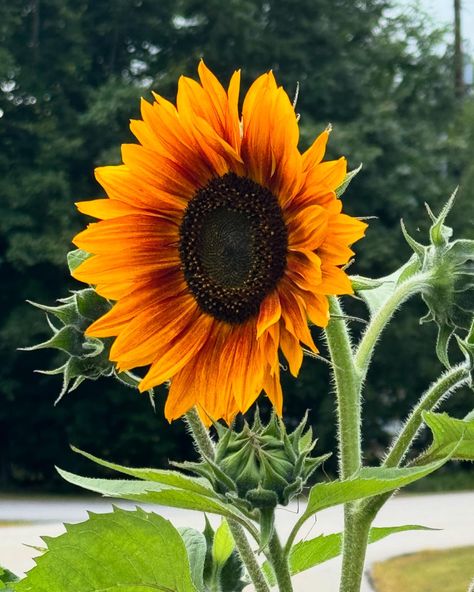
261, 465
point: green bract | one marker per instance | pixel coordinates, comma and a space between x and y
449, 291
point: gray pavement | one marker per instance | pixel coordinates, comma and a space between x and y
452, 513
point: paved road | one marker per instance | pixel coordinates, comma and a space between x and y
453, 514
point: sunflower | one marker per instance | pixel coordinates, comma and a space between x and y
218, 242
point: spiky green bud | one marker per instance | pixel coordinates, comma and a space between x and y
261, 465
449, 290
87, 357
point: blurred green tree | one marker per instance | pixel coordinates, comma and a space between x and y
71, 74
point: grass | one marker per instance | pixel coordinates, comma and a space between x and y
449, 570
13, 523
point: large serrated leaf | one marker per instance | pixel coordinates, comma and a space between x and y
118, 552
368, 482
153, 493
448, 431
172, 478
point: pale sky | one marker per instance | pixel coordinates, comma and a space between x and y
442, 12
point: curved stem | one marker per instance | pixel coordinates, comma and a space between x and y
280, 565
347, 390
381, 318
444, 386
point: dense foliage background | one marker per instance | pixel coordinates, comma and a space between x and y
71, 74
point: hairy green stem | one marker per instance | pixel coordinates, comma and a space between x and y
354, 547
200, 433
381, 318
248, 557
445, 385
347, 390
280, 564
205, 446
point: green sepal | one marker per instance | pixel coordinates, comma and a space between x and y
347, 180
75, 258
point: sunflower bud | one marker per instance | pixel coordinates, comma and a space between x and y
449, 289
261, 465
87, 357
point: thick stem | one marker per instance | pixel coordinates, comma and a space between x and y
444, 386
347, 391
200, 433
381, 318
354, 547
280, 564
205, 446
248, 557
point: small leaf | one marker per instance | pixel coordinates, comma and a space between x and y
223, 544
7, 579
119, 552
448, 431
348, 178
307, 554
195, 543
75, 258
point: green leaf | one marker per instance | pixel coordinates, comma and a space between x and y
376, 292
448, 431
348, 178
154, 493
75, 258
196, 547
165, 477
118, 552
7, 578
307, 554
368, 482
223, 544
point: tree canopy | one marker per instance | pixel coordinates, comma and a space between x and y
71, 75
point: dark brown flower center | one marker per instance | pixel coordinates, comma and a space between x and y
233, 247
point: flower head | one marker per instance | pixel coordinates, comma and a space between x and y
218, 242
